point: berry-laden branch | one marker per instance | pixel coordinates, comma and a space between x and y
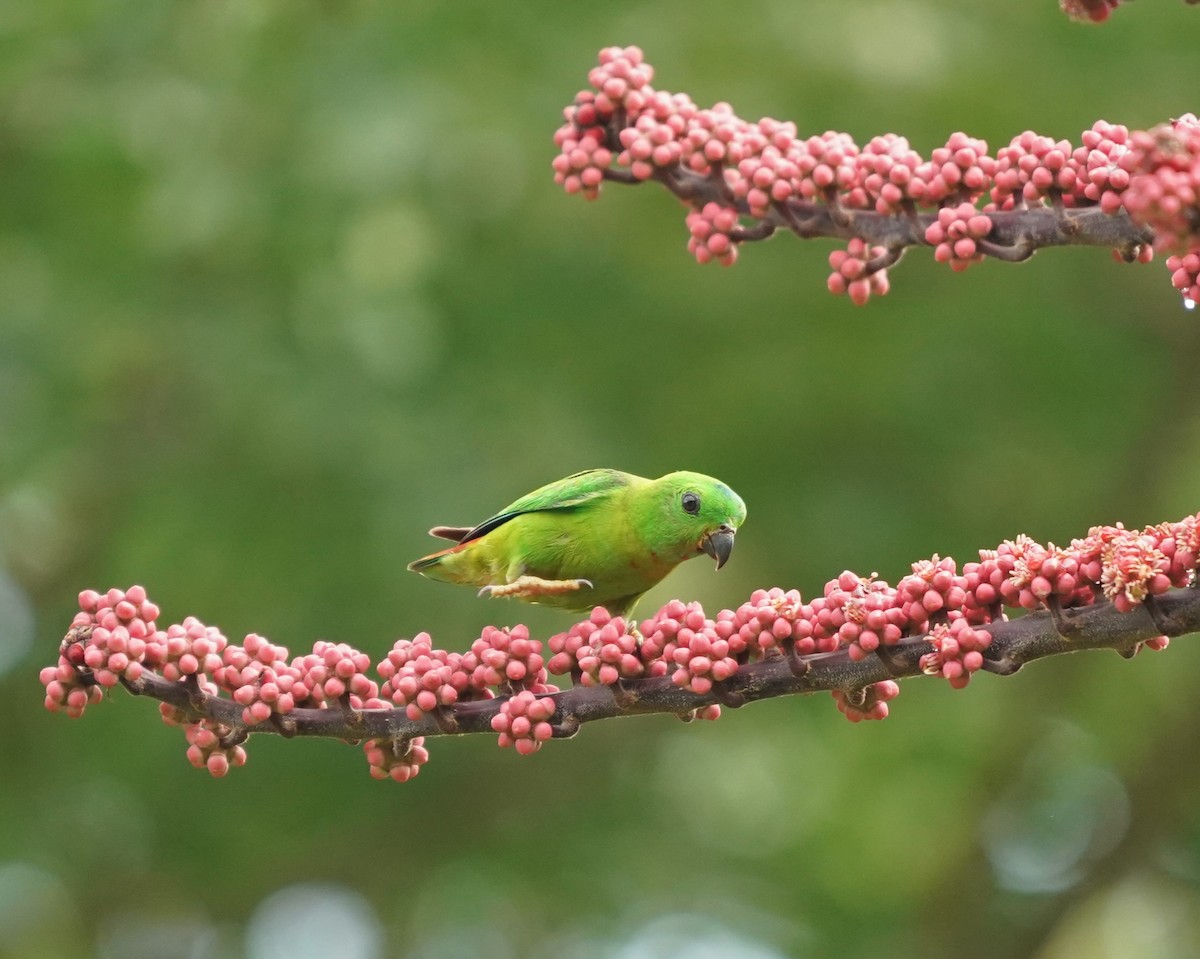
1088, 11
1115, 588
1135, 192
1094, 11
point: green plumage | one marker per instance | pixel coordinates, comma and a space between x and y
620, 533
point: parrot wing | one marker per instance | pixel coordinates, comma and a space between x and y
574, 490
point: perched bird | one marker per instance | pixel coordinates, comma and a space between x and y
597, 538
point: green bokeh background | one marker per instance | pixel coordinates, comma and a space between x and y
283, 284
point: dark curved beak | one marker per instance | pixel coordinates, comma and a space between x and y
719, 544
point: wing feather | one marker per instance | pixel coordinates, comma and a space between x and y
572, 491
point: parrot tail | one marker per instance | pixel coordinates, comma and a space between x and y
435, 565
426, 562
450, 565
455, 533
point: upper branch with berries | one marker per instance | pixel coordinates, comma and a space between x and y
1094, 11
1135, 192
1115, 588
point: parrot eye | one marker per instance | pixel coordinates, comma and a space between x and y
691, 502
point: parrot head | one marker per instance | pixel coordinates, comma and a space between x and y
696, 514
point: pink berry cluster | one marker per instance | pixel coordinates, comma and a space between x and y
1100, 176
744, 179
523, 722
766, 172
68, 689
187, 649
259, 677
931, 588
827, 164
1088, 11
509, 659
1185, 276
122, 624
770, 620
580, 167
396, 759
712, 230
600, 651
1134, 565
207, 751
887, 167
333, 671
422, 679
265, 682
852, 275
1035, 169
115, 638
1164, 188
864, 614
859, 613
1023, 573
1031, 169
956, 234
856, 613
957, 651
962, 170
585, 150
653, 141
871, 703
681, 642
107, 643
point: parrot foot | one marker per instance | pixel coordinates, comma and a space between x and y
532, 587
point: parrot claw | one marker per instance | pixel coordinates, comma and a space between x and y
533, 587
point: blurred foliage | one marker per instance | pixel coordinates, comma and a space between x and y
283, 284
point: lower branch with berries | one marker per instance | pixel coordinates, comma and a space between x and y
1115, 588
1136, 192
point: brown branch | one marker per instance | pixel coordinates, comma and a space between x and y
746, 180
1014, 643
1015, 234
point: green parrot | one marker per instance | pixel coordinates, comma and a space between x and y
597, 538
